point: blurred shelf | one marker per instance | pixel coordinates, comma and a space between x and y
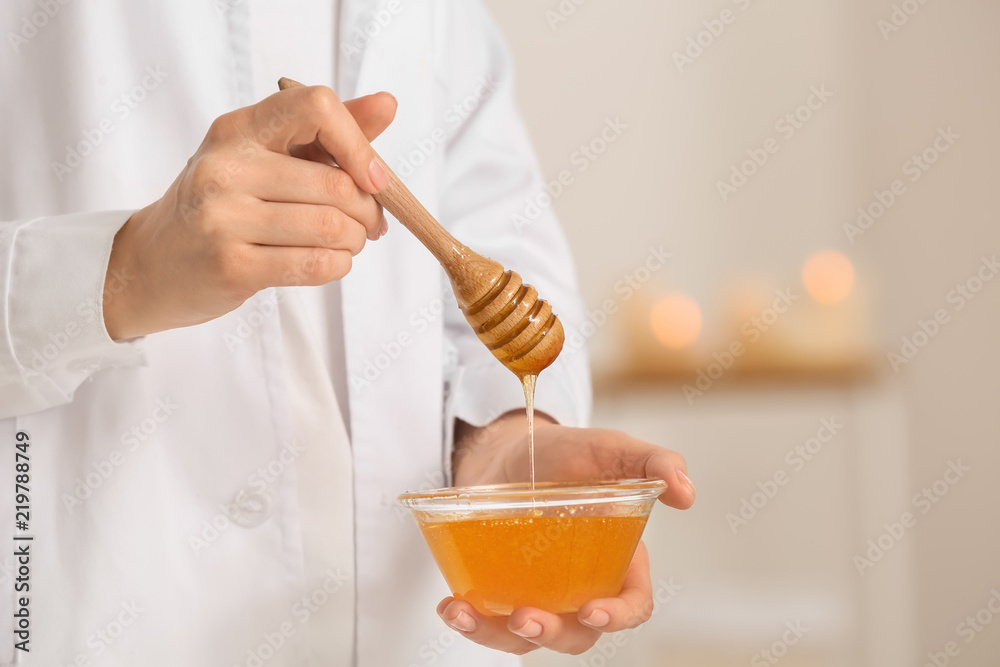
746, 372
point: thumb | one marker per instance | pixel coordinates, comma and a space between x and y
373, 113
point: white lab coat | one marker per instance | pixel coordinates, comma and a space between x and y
185, 506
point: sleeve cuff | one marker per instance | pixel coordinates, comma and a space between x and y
478, 394
481, 393
55, 320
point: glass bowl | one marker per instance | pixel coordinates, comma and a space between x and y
554, 548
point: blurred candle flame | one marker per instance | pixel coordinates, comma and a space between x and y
676, 320
828, 276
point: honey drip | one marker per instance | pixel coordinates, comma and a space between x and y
528, 383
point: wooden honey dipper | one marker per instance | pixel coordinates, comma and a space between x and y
508, 317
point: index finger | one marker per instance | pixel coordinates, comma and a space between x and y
671, 467
303, 114
623, 456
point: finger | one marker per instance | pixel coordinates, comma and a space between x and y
625, 457
305, 225
632, 607
561, 633
581, 454
300, 115
373, 114
281, 178
490, 631
282, 266
672, 468
313, 153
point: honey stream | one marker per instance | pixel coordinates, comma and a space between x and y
528, 383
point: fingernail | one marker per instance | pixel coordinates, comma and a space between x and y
684, 478
529, 630
377, 175
383, 228
463, 622
597, 619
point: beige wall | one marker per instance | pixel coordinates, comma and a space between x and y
656, 184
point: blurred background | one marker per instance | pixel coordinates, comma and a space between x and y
785, 221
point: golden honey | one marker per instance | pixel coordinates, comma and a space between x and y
528, 383
551, 562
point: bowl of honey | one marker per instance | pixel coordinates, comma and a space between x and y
553, 547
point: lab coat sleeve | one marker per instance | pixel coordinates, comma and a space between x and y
52, 278
490, 176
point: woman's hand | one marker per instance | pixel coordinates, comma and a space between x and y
497, 454
256, 206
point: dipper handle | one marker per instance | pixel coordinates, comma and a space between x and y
519, 328
471, 274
